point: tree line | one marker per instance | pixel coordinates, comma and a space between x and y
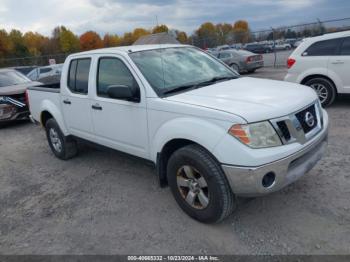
15, 44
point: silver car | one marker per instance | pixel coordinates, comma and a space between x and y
241, 60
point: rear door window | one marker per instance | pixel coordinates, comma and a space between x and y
345, 49
78, 77
324, 48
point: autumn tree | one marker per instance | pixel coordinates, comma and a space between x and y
207, 35
139, 32
127, 39
34, 42
181, 37
160, 29
241, 31
90, 40
111, 40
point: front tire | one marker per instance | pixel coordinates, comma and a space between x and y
199, 185
324, 88
63, 147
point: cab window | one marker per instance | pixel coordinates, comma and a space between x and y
113, 71
78, 76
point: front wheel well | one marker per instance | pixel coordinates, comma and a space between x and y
45, 116
304, 81
162, 157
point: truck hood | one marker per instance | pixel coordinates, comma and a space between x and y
17, 89
251, 98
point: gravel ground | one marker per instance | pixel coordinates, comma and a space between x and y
105, 202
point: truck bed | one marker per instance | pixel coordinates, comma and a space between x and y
41, 97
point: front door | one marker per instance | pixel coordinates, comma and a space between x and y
118, 123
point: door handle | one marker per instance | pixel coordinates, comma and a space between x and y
67, 102
96, 107
338, 62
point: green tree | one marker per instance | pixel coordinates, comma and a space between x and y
68, 41
17, 44
5, 44
224, 32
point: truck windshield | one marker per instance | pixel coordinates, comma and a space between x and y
171, 70
10, 78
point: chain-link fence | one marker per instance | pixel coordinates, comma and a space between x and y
276, 44
32, 60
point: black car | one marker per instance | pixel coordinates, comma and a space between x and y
258, 48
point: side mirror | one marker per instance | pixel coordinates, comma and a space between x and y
123, 92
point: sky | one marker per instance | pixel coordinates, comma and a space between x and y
119, 16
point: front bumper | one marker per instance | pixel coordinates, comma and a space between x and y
248, 181
11, 113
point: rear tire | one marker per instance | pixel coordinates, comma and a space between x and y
324, 88
199, 185
62, 146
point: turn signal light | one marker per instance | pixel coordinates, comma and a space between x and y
290, 62
238, 132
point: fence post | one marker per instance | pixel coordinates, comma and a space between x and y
274, 48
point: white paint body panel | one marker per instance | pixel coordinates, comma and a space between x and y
202, 116
337, 68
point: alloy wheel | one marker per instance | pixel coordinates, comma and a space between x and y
55, 140
321, 91
193, 187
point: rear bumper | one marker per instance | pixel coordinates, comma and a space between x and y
253, 65
248, 181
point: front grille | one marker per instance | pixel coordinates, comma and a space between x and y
302, 115
301, 126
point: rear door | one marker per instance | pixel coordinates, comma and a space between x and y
75, 101
339, 65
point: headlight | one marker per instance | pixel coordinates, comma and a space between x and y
256, 135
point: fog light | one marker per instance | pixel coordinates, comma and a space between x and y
269, 179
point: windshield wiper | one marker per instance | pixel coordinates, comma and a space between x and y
179, 88
214, 80
197, 85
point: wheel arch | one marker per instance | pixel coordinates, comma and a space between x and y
309, 77
168, 149
49, 110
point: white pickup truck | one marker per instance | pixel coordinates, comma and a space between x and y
211, 135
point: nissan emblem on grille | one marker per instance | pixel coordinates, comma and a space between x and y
309, 119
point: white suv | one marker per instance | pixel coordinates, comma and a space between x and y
322, 63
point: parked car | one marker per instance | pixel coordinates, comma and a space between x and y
323, 63
210, 134
13, 104
281, 46
45, 71
241, 60
258, 48
24, 69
